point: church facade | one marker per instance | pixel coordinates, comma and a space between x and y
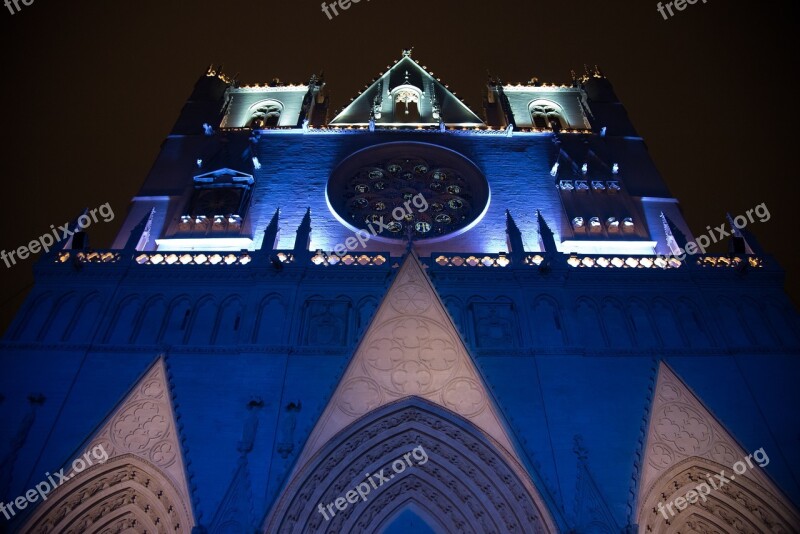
403, 316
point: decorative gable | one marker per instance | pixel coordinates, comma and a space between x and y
143, 462
411, 348
689, 453
407, 95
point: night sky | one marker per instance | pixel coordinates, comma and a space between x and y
91, 89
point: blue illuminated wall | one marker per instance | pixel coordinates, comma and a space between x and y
572, 354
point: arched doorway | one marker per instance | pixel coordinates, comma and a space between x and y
467, 483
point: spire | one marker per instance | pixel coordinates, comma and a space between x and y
513, 237
303, 239
738, 243
548, 242
678, 236
79, 239
671, 243
272, 233
140, 234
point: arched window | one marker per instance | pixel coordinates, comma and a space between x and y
266, 114
406, 100
547, 115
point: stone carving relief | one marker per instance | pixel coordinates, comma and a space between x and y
123, 495
495, 324
469, 484
685, 445
410, 349
326, 323
143, 481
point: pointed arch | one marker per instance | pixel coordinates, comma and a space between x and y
643, 329
229, 321
151, 317
667, 325
64, 309
548, 322
139, 480
270, 321
34, 317
686, 446
123, 492
202, 321
393, 524
694, 325
754, 314
731, 323
123, 324
83, 325
469, 481
783, 320
365, 311
616, 323
176, 322
588, 325
740, 504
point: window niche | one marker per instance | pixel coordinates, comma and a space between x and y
265, 115
547, 115
218, 203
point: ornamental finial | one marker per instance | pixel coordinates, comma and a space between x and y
407, 51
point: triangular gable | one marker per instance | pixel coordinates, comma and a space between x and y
436, 102
592, 513
134, 461
411, 348
680, 427
235, 514
686, 447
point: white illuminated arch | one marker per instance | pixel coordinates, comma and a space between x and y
549, 110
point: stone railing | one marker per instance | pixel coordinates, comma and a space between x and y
321, 258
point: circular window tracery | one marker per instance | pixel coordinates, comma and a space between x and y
378, 189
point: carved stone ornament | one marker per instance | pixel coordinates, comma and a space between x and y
141, 487
411, 348
468, 484
687, 446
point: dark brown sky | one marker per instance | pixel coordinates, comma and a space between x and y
91, 88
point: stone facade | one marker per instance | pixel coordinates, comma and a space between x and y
525, 328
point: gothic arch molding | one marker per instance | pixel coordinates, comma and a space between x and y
84, 320
470, 483
391, 513
132, 305
740, 505
125, 494
32, 321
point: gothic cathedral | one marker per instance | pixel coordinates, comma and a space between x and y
404, 316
